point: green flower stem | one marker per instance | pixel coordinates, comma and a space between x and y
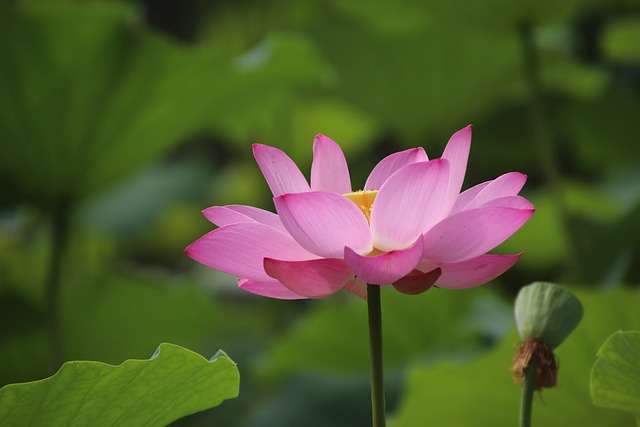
528, 387
59, 236
375, 343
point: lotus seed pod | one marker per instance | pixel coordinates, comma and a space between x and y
547, 312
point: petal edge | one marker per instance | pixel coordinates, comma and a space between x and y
386, 268
316, 278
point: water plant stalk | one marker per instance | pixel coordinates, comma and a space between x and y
375, 345
528, 388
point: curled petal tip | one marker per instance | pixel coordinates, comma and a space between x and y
188, 249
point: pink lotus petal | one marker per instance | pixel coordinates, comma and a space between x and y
457, 152
467, 196
505, 185
329, 170
476, 271
324, 223
316, 278
391, 164
281, 173
516, 202
417, 282
240, 249
358, 287
427, 265
409, 203
471, 233
234, 214
386, 268
222, 215
272, 289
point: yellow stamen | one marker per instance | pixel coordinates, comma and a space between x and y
363, 200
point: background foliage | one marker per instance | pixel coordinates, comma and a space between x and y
120, 121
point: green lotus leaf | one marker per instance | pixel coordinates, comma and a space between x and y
615, 378
173, 383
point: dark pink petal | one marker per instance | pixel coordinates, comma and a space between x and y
358, 287
427, 265
505, 185
471, 233
324, 223
392, 163
457, 153
329, 170
234, 214
270, 289
386, 268
281, 173
409, 203
476, 271
316, 278
240, 249
417, 282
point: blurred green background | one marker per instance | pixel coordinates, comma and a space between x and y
119, 122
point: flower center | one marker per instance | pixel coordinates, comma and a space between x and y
363, 199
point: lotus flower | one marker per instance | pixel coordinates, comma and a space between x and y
410, 226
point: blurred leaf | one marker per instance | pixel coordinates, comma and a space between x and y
109, 318
404, 16
503, 142
174, 383
565, 76
117, 316
615, 378
561, 71
141, 199
628, 236
448, 394
240, 183
395, 61
621, 40
492, 15
24, 356
333, 336
255, 99
541, 237
412, 84
350, 128
590, 201
321, 400
89, 97
601, 133
594, 216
